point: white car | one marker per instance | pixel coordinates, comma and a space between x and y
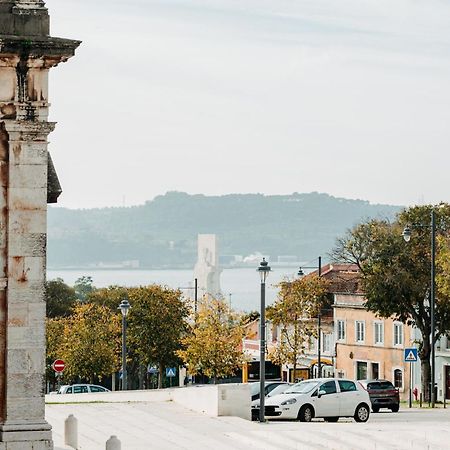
321, 397
81, 389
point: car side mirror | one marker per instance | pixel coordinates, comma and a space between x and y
321, 392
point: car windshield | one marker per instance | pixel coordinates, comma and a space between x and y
302, 388
254, 388
278, 390
380, 385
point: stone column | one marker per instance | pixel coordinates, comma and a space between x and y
27, 52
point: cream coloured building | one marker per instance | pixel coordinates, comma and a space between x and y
369, 347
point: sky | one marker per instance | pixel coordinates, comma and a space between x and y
348, 97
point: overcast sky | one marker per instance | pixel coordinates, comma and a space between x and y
348, 97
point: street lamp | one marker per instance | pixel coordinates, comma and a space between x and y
124, 308
263, 270
319, 316
407, 237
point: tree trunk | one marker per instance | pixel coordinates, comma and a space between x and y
425, 369
160, 376
295, 369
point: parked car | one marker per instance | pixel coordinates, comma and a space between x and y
275, 391
81, 389
382, 394
268, 387
321, 397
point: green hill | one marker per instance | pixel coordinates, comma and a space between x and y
163, 231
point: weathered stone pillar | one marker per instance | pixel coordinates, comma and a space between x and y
27, 52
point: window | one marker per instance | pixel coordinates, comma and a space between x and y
69, 390
326, 343
375, 371
361, 370
398, 333
312, 343
347, 386
97, 389
398, 378
360, 332
329, 387
80, 389
378, 331
340, 330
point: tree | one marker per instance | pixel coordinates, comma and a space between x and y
83, 287
60, 298
54, 338
157, 321
109, 297
90, 343
298, 302
215, 346
395, 275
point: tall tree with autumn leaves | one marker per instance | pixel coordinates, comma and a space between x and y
395, 274
298, 304
214, 346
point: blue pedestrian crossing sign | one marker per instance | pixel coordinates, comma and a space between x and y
411, 355
171, 371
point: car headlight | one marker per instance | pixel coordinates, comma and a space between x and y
289, 402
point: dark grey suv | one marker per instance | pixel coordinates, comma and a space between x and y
382, 394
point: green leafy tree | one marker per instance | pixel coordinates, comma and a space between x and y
60, 298
157, 321
395, 275
90, 343
83, 287
54, 339
109, 297
215, 346
299, 301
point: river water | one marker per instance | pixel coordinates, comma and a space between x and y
240, 286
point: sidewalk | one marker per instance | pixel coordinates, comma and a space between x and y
166, 425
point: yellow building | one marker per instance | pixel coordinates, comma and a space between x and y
369, 347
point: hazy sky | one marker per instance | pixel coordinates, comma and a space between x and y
348, 97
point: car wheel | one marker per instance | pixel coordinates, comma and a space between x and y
395, 408
306, 413
362, 413
331, 419
375, 409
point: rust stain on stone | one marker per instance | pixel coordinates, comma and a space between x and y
16, 322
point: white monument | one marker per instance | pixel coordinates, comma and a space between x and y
207, 270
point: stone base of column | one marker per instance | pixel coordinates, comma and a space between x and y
26, 436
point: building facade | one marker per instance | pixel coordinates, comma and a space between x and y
370, 347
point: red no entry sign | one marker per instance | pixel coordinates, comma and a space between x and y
58, 365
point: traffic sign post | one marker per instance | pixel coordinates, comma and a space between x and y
411, 356
58, 366
170, 373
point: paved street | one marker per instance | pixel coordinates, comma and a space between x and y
166, 425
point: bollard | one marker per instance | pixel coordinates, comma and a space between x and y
71, 431
420, 400
113, 443
445, 405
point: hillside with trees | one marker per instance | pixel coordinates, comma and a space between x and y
163, 232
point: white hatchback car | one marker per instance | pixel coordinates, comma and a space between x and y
81, 389
321, 397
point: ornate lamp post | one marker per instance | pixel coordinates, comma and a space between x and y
319, 316
407, 237
263, 270
124, 308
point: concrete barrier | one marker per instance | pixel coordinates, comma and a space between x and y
213, 400
216, 400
